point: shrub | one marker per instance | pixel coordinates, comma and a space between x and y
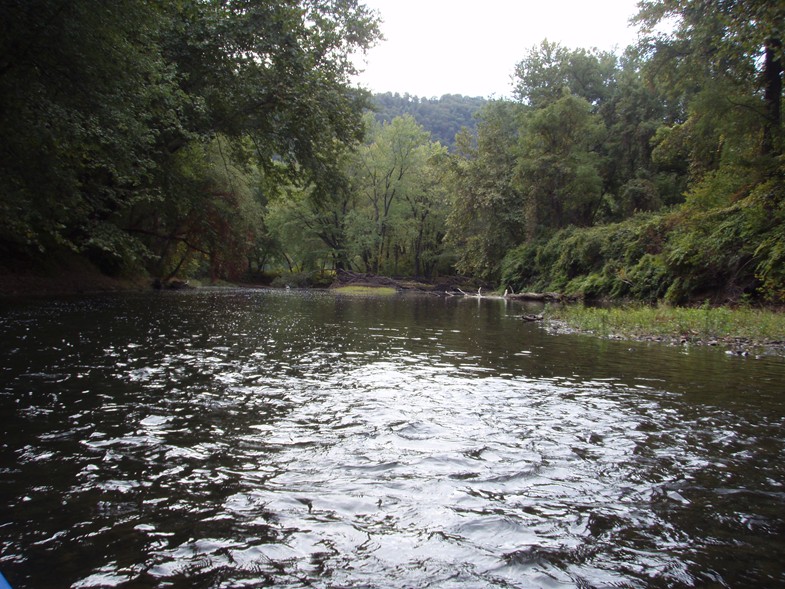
649, 279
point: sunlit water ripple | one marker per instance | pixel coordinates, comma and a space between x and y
250, 439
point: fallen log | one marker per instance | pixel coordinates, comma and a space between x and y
535, 296
521, 296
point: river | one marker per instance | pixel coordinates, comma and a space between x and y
247, 438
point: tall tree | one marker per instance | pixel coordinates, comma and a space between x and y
549, 69
99, 98
732, 49
82, 86
633, 114
390, 176
559, 165
486, 218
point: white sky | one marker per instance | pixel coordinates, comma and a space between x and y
470, 47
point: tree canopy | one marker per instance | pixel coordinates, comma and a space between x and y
224, 139
124, 121
691, 117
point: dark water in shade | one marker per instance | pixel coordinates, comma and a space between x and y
286, 439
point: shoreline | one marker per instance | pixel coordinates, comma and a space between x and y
67, 283
737, 345
77, 278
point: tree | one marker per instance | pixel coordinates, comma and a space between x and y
100, 98
634, 113
389, 175
293, 224
486, 217
723, 62
310, 223
427, 208
559, 165
211, 216
383, 214
81, 84
730, 49
549, 69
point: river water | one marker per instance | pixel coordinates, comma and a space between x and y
245, 438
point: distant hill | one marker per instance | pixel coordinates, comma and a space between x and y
443, 117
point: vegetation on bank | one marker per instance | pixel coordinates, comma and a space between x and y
356, 290
225, 141
678, 256
737, 328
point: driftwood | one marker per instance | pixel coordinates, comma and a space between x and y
345, 277
521, 296
478, 295
535, 296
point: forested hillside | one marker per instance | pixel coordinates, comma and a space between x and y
224, 140
442, 117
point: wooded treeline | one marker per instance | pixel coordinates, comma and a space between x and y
443, 117
224, 139
150, 135
659, 175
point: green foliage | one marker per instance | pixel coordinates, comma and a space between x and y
723, 61
576, 152
720, 188
693, 113
769, 253
115, 251
79, 84
129, 127
396, 224
387, 217
210, 218
442, 117
608, 261
293, 228
550, 70
733, 250
485, 220
729, 253
220, 138
559, 167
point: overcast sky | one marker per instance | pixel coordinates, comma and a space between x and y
470, 47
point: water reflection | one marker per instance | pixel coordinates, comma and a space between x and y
245, 438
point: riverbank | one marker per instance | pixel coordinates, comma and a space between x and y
62, 275
742, 331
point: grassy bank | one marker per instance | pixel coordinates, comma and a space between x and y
359, 290
738, 328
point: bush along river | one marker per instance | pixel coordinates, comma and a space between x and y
245, 438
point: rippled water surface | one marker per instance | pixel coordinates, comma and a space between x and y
286, 439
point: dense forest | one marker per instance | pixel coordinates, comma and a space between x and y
443, 117
224, 140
